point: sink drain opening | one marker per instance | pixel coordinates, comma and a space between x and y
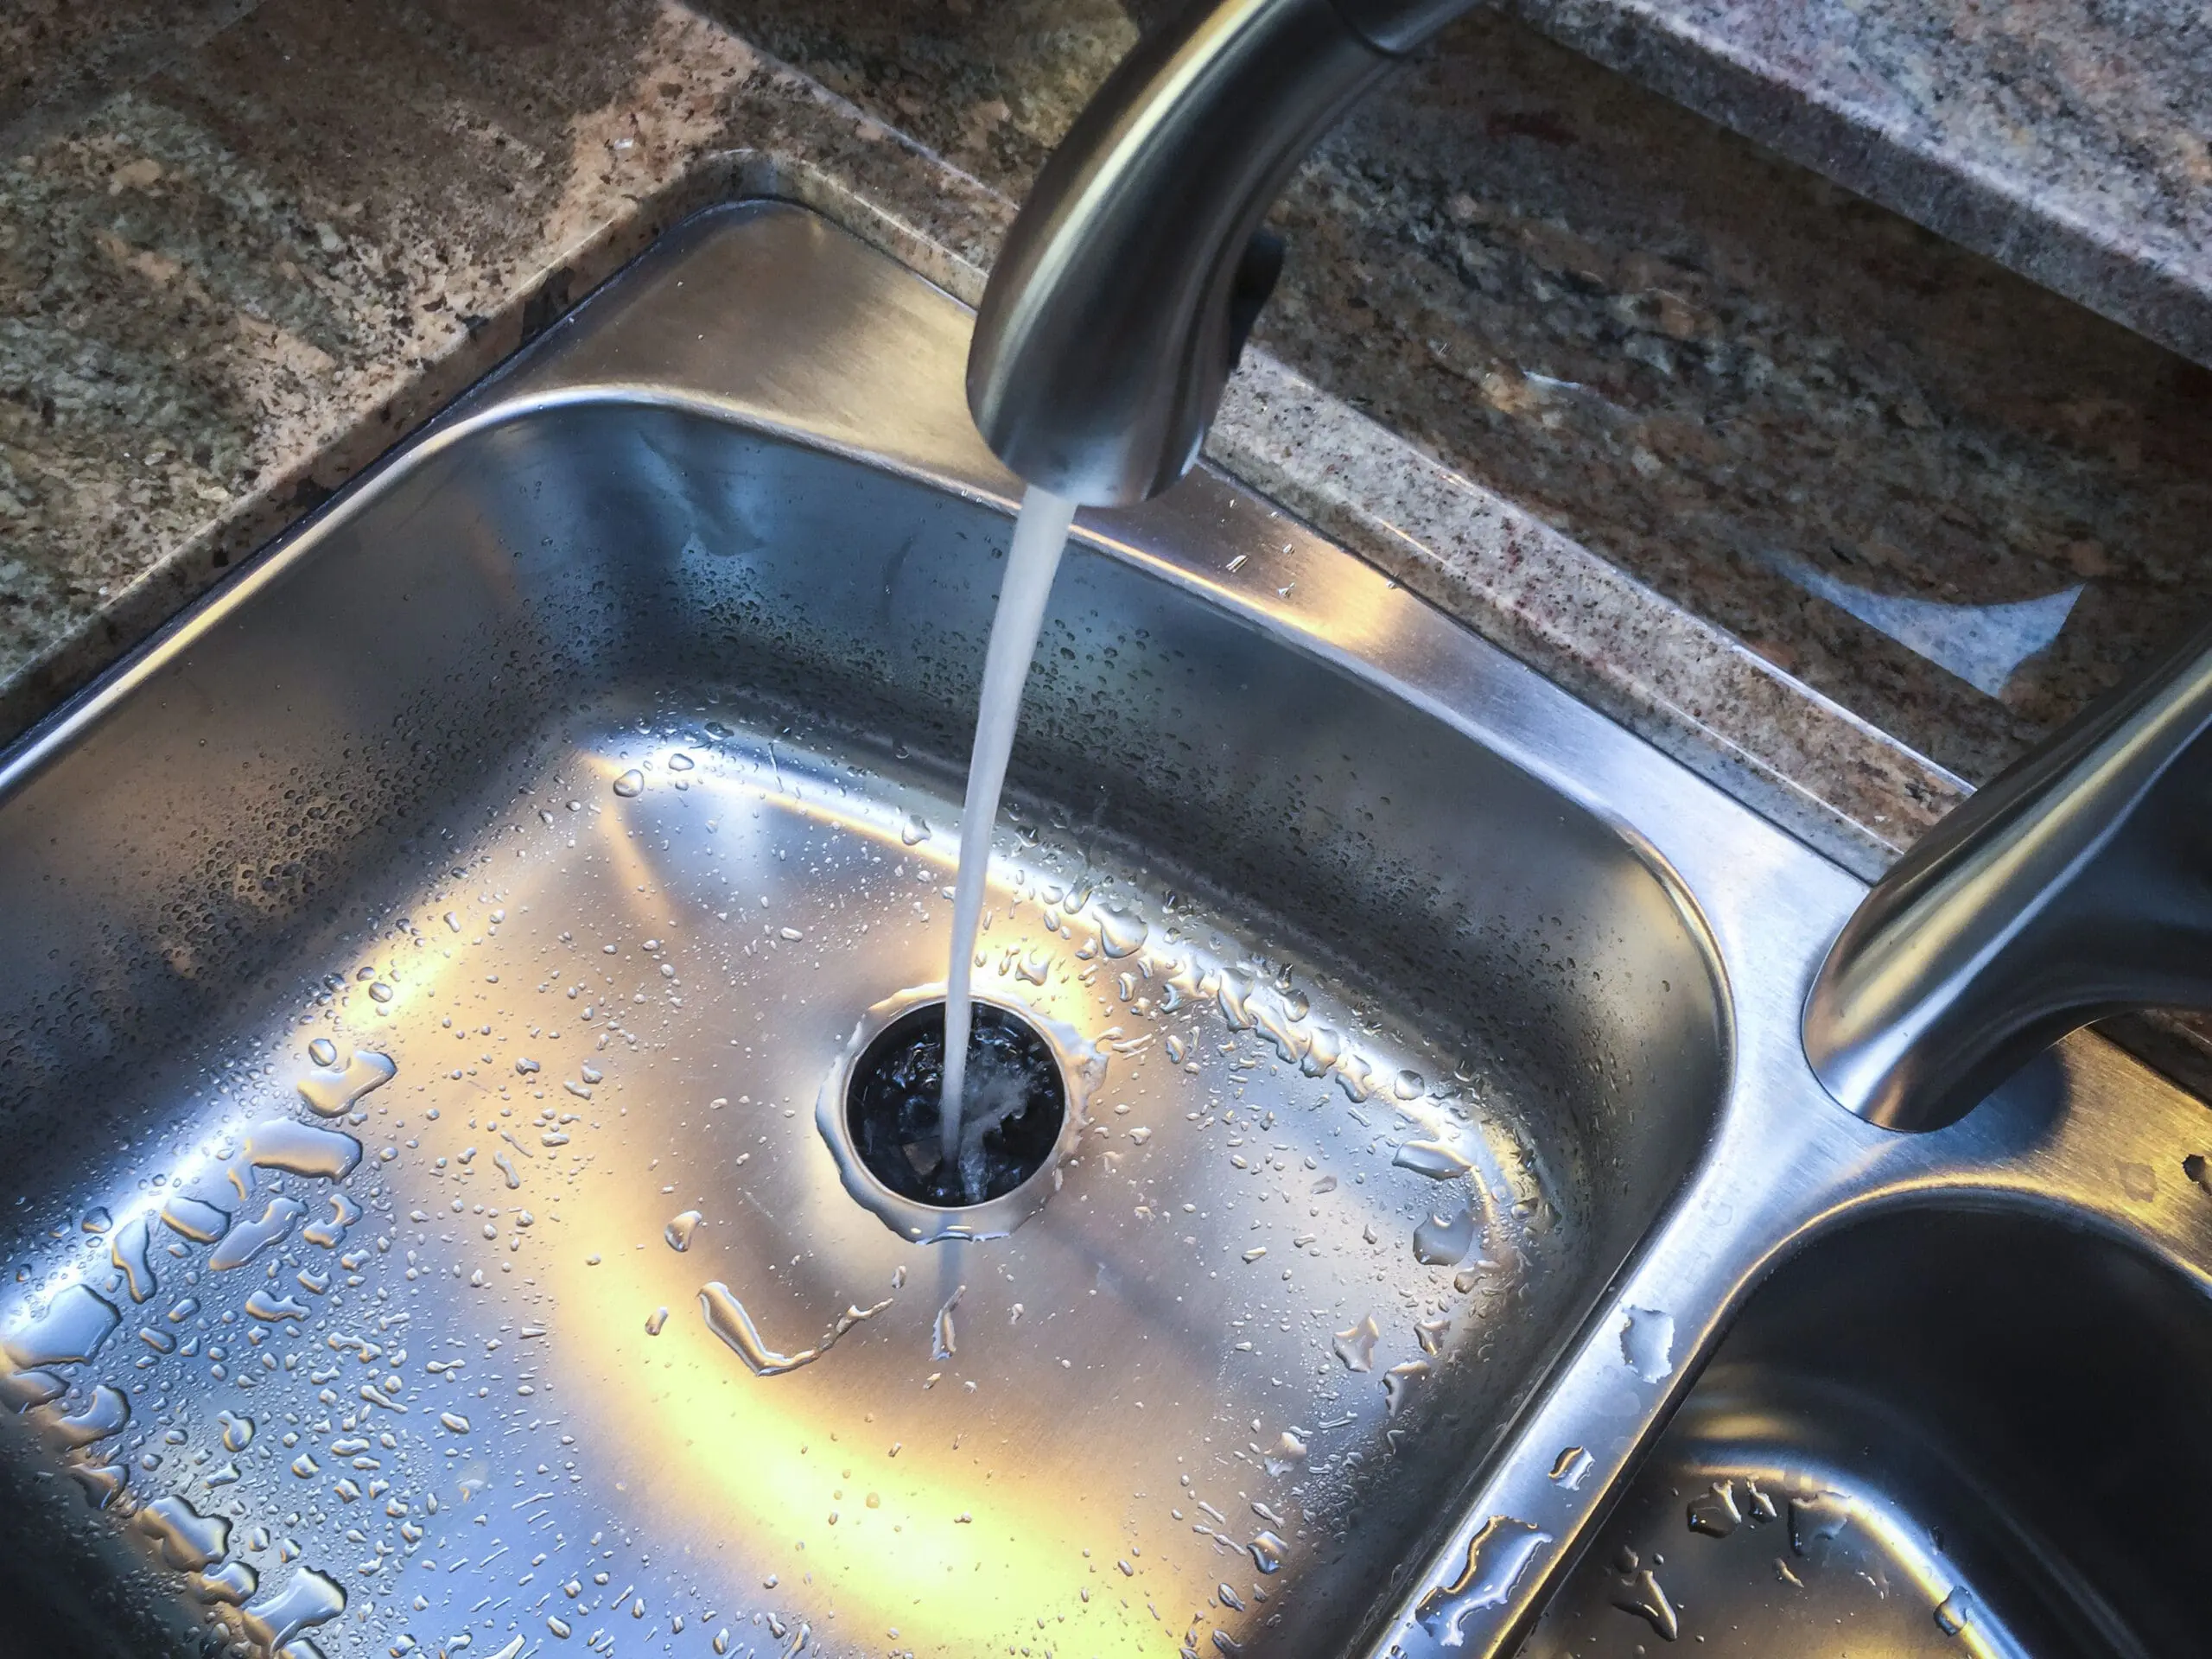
1015, 1104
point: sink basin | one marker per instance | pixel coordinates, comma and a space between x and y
424, 963
1940, 1431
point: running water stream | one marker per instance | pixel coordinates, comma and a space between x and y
1038, 535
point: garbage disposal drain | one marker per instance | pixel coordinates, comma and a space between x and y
1016, 1104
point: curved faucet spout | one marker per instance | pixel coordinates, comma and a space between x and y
1121, 302
2077, 884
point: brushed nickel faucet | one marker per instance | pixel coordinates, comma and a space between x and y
1126, 289
2076, 885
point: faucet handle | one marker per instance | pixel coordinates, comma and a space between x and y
2075, 884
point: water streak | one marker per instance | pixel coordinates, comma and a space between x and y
726, 1319
308, 1600
1039, 536
1498, 1556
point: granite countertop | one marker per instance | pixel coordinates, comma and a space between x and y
1840, 511
2068, 138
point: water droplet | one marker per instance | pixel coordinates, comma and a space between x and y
630, 784
1713, 1512
76, 1323
1268, 1552
1648, 1343
1957, 1610
1409, 1085
1497, 1556
295, 1147
102, 1483
1355, 1347
917, 831
1398, 1381
323, 1051
308, 1600
1440, 1160
265, 1304
247, 1239
1433, 1333
238, 1431
1640, 1594
232, 1582
106, 1413
1445, 1241
654, 1320
1120, 933
330, 1095
680, 1228
726, 1317
455, 1422
944, 1340
97, 1220
680, 761
198, 1220
128, 1251
189, 1540
380, 991
332, 1233
1815, 1520
1572, 1467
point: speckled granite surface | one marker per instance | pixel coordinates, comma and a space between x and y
2070, 138
1664, 414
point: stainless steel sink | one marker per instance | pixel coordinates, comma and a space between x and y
1938, 1431
466, 908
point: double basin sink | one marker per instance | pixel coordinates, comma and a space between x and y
421, 964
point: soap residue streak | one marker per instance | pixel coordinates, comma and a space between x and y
1039, 536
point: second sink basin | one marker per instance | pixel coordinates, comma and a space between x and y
1936, 1432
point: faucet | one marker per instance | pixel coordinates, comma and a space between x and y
2076, 885
1122, 299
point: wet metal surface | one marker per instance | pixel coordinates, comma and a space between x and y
423, 965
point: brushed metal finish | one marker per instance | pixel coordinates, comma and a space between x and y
2070, 888
1119, 304
1934, 1432
1339, 893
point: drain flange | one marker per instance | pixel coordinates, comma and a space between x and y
1027, 1079
1016, 1100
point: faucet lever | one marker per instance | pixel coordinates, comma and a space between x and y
2075, 884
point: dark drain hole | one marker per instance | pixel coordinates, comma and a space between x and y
1016, 1101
